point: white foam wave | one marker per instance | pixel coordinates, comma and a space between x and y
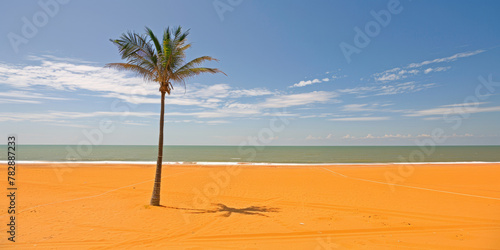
244, 163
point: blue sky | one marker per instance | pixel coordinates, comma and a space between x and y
412, 69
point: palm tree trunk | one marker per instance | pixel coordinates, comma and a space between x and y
155, 198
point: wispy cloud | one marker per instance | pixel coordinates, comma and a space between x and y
10, 101
413, 69
387, 89
327, 137
283, 101
453, 109
70, 76
406, 87
317, 80
310, 137
446, 59
356, 107
383, 137
135, 123
26, 97
209, 122
309, 82
236, 109
361, 119
58, 115
71, 119
402, 136
216, 101
370, 107
436, 69
394, 74
65, 74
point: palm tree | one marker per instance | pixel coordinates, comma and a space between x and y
162, 62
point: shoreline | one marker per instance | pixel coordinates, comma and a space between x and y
249, 163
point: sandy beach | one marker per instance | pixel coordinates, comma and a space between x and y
87, 206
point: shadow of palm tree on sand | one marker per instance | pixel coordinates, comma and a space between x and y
227, 211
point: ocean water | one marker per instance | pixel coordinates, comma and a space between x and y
265, 154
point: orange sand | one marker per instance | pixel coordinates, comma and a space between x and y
256, 207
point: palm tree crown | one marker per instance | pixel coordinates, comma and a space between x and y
160, 62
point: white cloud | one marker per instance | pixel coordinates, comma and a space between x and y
211, 96
355, 107
453, 109
359, 90
371, 107
228, 109
70, 75
395, 136
220, 113
445, 59
249, 92
134, 123
388, 77
322, 115
310, 82
169, 100
56, 58
280, 114
338, 77
58, 115
402, 136
216, 122
236, 109
459, 105
328, 137
305, 83
218, 100
6, 100
310, 137
388, 89
19, 97
283, 101
221, 90
30, 95
412, 68
437, 69
406, 87
361, 119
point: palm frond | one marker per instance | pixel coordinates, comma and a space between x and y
179, 76
194, 63
154, 39
146, 74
